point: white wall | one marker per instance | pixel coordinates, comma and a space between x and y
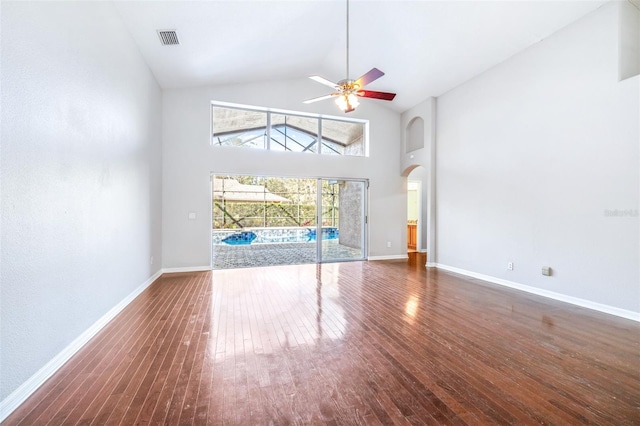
412, 204
81, 176
188, 159
530, 156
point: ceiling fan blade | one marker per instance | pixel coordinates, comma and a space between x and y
385, 96
324, 81
320, 98
370, 76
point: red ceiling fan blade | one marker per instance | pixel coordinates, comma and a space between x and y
320, 98
385, 96
370, 76
324, 81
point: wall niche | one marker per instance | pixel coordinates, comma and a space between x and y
415, 135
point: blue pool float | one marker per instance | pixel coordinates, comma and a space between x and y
245, 237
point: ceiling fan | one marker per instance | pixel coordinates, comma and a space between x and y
347, 91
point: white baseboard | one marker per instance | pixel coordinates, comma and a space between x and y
186, 269
394, 257
18, 396
432, 265
612, 310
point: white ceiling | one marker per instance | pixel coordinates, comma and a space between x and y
425, 47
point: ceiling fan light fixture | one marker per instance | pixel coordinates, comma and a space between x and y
347, 102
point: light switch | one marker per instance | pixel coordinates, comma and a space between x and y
192, 215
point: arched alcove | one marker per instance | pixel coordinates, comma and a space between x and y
415, 134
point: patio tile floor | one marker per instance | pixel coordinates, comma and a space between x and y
253, 255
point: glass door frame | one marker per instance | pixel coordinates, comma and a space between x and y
364, 212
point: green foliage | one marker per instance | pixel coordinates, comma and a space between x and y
300, 212
262, 215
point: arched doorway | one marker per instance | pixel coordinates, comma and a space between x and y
416, 214
420, 213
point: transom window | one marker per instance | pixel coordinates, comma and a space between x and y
275, 130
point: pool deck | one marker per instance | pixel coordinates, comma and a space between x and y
254, 255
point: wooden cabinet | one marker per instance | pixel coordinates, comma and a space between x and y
412, 244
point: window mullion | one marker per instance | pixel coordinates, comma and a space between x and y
268, 131
319, 140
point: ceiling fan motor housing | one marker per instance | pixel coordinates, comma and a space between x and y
348, 86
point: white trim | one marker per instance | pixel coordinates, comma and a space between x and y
24, 391
394, 257
431, 265
186, 269
607, 309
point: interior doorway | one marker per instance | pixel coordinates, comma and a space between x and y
266, 220
414, 211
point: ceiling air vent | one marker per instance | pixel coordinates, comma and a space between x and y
168, 37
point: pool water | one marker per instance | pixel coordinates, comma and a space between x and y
278, 235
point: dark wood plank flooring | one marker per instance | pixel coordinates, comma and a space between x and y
345, 344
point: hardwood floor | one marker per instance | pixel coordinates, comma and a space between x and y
342, 344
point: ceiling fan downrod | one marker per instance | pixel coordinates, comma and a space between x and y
348, 39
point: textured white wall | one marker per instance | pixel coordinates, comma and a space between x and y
531, 155
188, 159
81, 176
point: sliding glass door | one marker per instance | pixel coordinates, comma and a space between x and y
264, 221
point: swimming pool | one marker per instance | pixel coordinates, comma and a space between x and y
277, 235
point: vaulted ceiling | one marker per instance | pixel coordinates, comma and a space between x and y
425, 47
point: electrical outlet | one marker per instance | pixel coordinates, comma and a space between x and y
546, 271
151, 260
388, 243
510, 266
